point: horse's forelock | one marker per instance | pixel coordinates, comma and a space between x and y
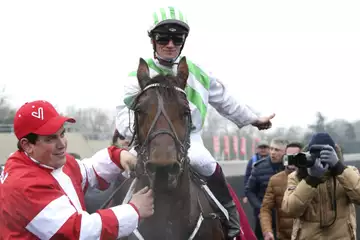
168, 92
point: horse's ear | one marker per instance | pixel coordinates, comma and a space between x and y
183, 72
143, 73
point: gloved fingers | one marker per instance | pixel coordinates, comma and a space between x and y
320, 147
316, 147
317, 163
325, 153
326, 161
326, 158
328, 148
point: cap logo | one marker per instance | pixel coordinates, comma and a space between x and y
39, 114
172, 29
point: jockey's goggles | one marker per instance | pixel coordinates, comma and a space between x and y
164, 39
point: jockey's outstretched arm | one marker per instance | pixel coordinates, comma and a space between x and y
229, 107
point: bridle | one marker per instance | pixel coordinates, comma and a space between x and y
143, 149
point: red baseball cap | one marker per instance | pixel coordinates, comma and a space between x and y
39, 117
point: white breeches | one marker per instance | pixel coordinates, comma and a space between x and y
200, 158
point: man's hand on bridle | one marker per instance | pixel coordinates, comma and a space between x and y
127, 161
263, 123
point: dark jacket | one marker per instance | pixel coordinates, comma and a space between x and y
249, 166
258, 181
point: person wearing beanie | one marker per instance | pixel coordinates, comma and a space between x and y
321, 198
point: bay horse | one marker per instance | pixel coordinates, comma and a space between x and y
162, 125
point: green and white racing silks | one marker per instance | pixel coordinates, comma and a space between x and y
201, 89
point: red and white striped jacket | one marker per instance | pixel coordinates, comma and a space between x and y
38, 202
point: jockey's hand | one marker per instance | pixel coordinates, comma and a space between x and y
127, 160
264, 122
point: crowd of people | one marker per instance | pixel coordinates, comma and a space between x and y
292, 201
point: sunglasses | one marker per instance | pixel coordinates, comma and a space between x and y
164, 39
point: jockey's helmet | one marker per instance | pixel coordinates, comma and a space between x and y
168, 20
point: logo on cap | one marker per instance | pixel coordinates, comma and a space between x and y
39, 114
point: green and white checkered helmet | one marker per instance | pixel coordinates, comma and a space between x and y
168, 15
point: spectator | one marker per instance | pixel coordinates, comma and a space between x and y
262, 151
259, 178
321, 197
273, 199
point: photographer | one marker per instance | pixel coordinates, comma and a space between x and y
320, 196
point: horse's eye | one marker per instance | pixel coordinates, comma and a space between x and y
140, 111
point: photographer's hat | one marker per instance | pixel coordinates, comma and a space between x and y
322, 139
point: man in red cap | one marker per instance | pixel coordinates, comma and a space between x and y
42, 187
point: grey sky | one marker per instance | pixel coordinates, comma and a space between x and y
289, 57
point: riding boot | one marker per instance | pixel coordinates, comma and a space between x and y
218, 186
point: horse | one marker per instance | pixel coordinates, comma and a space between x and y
162, 125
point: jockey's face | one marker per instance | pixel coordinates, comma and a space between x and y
168, 46
49, 150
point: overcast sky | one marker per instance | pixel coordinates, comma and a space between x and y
289, 57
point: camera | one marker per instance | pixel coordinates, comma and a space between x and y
303, 159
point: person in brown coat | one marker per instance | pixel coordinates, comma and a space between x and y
321, 198
273, 199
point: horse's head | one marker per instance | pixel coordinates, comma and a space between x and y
162, 124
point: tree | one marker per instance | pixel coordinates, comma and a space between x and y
94, 123
350, 132
7, 113
320, 123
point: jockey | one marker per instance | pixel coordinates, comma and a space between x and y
42, 187
168, 33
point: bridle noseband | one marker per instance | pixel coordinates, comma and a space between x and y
143, 150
